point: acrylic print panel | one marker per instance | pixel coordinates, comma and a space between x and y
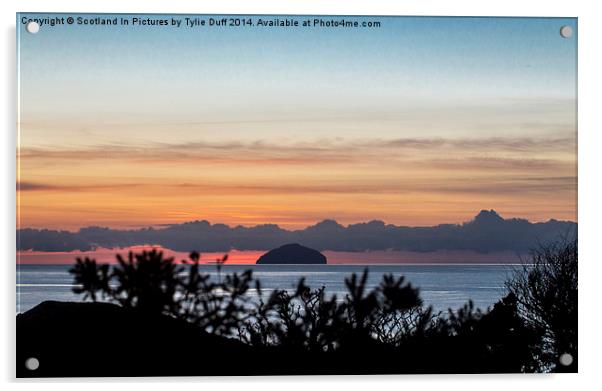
278, 195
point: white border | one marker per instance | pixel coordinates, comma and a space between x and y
589, 183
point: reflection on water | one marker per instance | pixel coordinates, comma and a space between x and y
443, 286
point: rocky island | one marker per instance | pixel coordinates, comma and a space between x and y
292, 254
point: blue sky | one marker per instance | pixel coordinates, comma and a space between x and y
250, 74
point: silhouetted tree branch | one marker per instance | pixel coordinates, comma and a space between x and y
545, 287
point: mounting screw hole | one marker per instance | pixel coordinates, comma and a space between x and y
32, 27
32, 363
566, 359
566, 31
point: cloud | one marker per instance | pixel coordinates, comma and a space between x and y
31, 186
499, 144
487, 185
315, 152
495, 163
40, 186
487, 232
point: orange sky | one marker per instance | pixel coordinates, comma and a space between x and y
402, 181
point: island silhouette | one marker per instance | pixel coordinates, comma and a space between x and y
292, 254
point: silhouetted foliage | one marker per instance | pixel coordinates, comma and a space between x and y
389, 323
545, 288
90, 278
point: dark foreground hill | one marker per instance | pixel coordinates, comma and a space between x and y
292, 254
99, 339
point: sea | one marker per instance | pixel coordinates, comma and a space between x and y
444, 287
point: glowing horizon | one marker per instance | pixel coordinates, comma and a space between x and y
249, 257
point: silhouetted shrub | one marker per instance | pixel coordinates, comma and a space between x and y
388, 322
151, 283
90, 278
545, 287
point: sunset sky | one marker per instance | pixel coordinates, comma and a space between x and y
419, 122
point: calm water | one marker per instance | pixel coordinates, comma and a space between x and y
443, 286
